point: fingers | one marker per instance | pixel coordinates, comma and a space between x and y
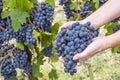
88, 52
81, 57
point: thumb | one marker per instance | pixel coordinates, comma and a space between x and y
80, 56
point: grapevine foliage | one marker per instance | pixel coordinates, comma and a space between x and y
18, 55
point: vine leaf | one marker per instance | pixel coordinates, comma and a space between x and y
45, 39
36, 34
17, 16
51, 2
20, 46
9, 4
17, 10
116, 49
35, 70
109, 27
55, 28
96, 3
23, 5
74, 5
13, 78
53, 74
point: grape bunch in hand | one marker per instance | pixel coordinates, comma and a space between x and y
73, 40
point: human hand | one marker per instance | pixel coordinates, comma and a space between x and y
99, 44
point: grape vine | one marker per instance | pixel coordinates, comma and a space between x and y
12, 56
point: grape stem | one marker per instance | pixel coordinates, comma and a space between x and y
31, 22
3, 28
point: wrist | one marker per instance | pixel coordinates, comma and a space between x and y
93, 23
109, 42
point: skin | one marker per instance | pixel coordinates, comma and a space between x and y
109, 11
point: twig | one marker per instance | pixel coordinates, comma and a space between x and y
3, 28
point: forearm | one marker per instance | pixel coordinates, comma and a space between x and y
109, 11
113, 40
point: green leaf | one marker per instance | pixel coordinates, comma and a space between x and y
53, 74
55, 28
115, 49
35, 70
16, 25
13, 78
109, 27
18, 17
23, 5
33, 1
40, 57
20, 46
54, 57
74, 5
95, 4
5, 14
45, 39
51, 2
9, 4
36, 34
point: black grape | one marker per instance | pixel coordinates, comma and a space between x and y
66, 7
85, 10
116, 28
18, 60
73, 40
48, 51
43, 14
7, 68
21, 60
101, 2
62, 2
29, 36
67, 10
115, 20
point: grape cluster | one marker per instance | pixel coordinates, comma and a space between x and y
18, 60
21, 61
116, 28
48, 51
5, 49
42, 15
29, 36
73, 40
7, 68
66, 7
85, 10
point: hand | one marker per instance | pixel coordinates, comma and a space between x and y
99, 44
